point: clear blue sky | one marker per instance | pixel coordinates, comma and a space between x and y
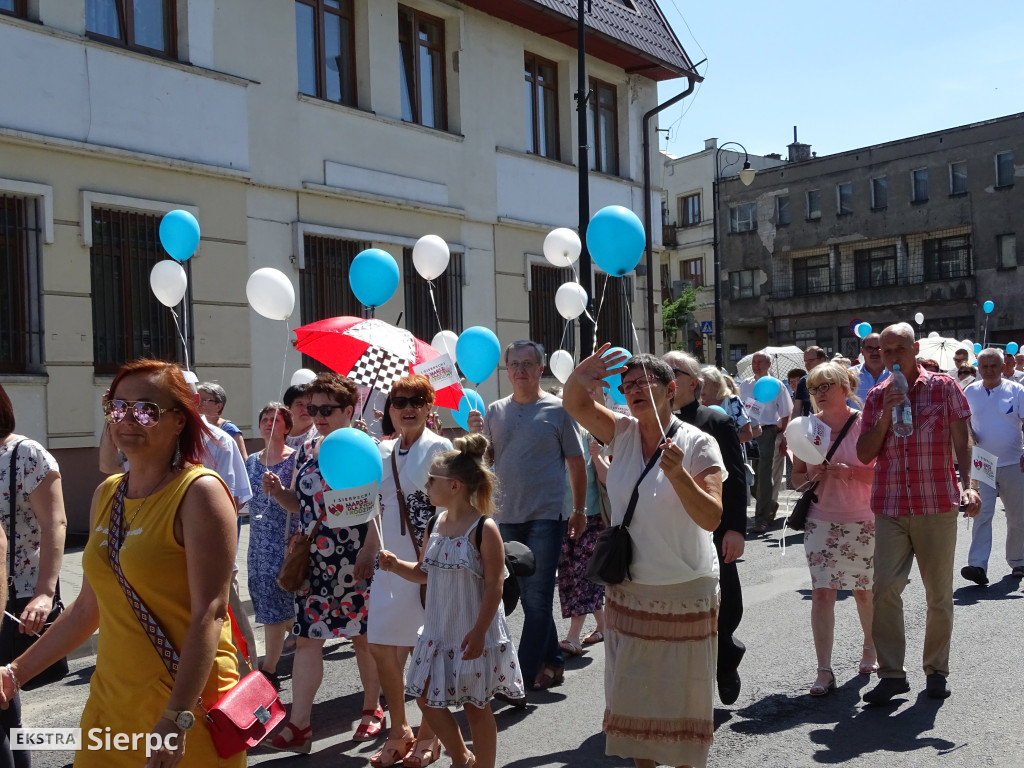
847, 74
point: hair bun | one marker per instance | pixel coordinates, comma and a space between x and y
473, 446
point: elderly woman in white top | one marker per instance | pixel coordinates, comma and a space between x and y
660, 639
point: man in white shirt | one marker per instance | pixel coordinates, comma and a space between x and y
1009, 368
997, 413
773, 417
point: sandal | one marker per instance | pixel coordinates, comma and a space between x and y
822, 690
393, 752
370, 731
868, 668
468, 764
571, 647
423, 752
593, 638
298, 740
549, 677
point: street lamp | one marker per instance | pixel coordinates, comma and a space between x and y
747, 177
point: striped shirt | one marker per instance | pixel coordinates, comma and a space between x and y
915, 475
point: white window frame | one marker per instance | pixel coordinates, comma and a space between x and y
41, 192
751, 218
92, 200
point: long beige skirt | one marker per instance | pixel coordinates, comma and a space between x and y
661, 648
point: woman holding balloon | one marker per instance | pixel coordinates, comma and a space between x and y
839, 538
395, 610
333, 602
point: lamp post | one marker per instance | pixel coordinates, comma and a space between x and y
747, 177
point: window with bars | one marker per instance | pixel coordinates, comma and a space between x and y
422, 68
149, 26
547, 327
946, 258
811, 275
605, 126
875, 267
325, 45
128, 322
689, 210
17, 8
613, 319
21, 314
324, 290
419, 310
541, 96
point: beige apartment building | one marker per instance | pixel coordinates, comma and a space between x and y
298, 133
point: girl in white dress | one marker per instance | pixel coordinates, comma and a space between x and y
465, 653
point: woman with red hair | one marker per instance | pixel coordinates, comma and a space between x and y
163, 534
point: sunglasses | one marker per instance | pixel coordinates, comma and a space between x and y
416, 401
145, 413
821, 389
645, 382
322, 410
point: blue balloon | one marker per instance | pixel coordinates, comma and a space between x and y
349, 459
766, 389
615, 381
179, 234
718, 408
988, 306
373, 276
478, 352
863, 330
470, 401
1012, 347
616, 240
977, 347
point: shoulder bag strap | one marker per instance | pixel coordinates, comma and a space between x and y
115, 537
12, 593
846, 428
403, 517
673, 427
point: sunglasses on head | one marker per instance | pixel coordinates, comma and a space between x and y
145, 413
416, 401
322, 410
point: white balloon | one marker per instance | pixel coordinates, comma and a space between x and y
302, 376
800, 438
933, 335
271, 293
169, 283
570, 300
445, 341
919, 318
561, 364
562, 247
430, 256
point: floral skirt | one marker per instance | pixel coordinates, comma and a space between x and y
840, 555
578, 594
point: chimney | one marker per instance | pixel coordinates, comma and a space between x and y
798, 152
710, 143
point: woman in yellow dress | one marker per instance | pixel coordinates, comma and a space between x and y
178, 533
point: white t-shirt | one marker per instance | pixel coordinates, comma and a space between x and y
668, 547
996, 419
770, 413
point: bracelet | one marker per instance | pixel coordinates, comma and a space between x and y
14, 678
579, 510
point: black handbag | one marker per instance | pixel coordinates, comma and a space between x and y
613, 551
797, 519
13, 643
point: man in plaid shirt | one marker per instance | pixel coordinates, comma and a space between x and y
915, 499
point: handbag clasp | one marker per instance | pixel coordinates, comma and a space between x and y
262, 714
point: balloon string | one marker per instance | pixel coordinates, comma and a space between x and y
636, 341
284, 367
184, 320
565, 331
184, 344
377, 525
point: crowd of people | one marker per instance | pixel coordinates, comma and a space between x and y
679, 465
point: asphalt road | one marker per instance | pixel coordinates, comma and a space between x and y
774, 723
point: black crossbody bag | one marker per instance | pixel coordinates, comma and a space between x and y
613, 551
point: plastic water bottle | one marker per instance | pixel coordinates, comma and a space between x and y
902, 417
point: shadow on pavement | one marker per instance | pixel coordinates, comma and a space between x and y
589, 753
972, 594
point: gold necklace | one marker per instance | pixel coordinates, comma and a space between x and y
128, 525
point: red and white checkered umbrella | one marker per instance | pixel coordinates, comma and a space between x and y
370, 352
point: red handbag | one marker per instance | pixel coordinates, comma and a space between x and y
247, 713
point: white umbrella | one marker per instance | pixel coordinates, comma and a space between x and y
784, 359
941, 350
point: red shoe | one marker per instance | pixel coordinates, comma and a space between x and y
291, 738
370, 731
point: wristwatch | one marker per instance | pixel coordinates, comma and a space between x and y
183, 719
